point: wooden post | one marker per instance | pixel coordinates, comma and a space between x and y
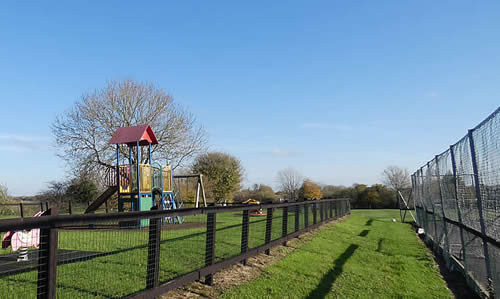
269, 227
70, 210
41, 206
210, 245
297, 219
244, 234
320, 213
284, 226
306, 215
153, 266
21, 209
46, 205
47, 260
315, 210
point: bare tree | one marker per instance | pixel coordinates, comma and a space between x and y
82, 134
396, 178
290, 180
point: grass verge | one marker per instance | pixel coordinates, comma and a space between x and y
366, 256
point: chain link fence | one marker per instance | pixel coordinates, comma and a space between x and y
457, 200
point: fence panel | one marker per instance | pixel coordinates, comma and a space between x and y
144, 254
465, 223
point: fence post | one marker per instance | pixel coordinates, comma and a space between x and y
424, 203
306, 214
435, 243
46, 205
70, 210
244, 235
459, 212
269, 227
284, 226
106, 206
330, 205
446, 242
21, 209
315, 216
322, 211
480, 208
47, 263
297, 219
41, 206
210, 245
153, 266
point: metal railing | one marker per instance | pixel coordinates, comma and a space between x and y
23, 209
98, 255
457, 198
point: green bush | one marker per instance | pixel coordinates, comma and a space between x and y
4, 198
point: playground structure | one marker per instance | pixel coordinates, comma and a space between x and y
257, 212
140, 186
200, 189
405, 205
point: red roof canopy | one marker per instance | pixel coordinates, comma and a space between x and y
130, 135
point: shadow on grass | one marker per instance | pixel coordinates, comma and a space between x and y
379, 245
369, 222
364, 233
327, 281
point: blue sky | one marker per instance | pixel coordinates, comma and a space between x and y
335, 89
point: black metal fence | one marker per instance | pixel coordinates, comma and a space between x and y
22, 209
457, 198
112, 256
28, 209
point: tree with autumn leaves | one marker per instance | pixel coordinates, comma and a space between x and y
310, 190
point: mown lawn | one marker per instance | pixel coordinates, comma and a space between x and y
124, 272
367, 256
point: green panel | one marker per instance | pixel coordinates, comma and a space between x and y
146, 205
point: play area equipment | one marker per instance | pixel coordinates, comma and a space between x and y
22, 239
404, 206
140, 186
182, 194
257, 212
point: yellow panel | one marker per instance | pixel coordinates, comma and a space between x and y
128, 181
145, 176
125, 183
167, 178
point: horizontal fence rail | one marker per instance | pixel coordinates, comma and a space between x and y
143, 254
28, 209
457, 201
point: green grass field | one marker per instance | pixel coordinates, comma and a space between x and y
367, 256
124, 272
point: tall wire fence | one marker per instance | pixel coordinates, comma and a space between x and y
457, 201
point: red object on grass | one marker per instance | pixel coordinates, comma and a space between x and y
257, 214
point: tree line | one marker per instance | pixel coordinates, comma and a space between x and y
82, 135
